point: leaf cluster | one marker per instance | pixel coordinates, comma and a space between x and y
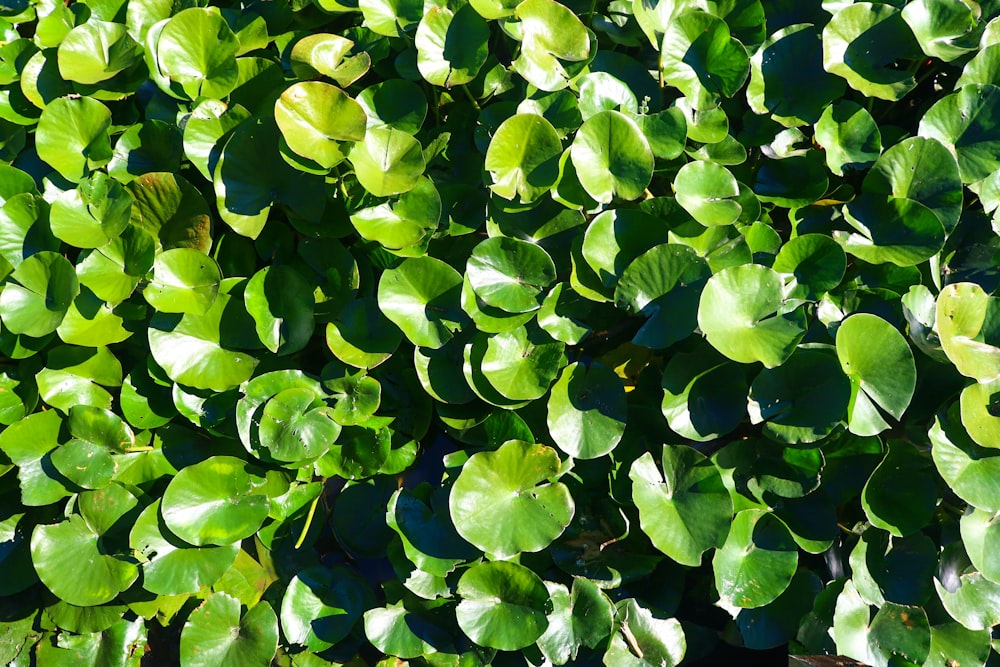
498, 332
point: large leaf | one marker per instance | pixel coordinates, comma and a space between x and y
966, 122
757, 561
862, 43
503, 605
36, 303
502, 502
879, 363
214, 502
523, 157
451, 45
700, 57
195, 52
317, 120
73, 138
422, 296
551, 33
57, 552
612, 157
217, 633
744, 315
587, 411
685, 509
969, 330
192, 348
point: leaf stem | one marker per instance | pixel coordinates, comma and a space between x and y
309, 520
472, 98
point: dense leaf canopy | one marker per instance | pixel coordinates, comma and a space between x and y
498, 332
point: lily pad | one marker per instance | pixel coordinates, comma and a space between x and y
502, 606
587, 411
215, 502
612, 157
217, 633
757, 562
685, 509
744, 315
503, 504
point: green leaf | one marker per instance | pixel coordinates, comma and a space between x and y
510, 274
878, 361
172, 211
587, 411
171, 566
744, 315
787, 77
57, 552
583, 617
978, 407
422, 297
503, 605
704, 395
217, 634
281, 302
321, 605
184, 281
522, 363
757, 561
685, 509
922, 170
93, 214
550, 33
709, 192
452, 46
36, 303
215, 502
973, 600
816, 261
195, 350
967, 468
523, 157
849, 135
361, 335
403, 227
395, 103
951, 641
701, 58
195, 53
388, 161
862, 43
398, 632
966, 122
980, 537
502, 503
644, 640
96, 51
802, 400
317, 120
896, 631
945, 30
612, 157
295, 427
72, 136
966, 317
900, 495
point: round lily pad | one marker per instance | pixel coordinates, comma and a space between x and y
184, 281
321, 605
744, 315
316, 119
37, 302
217, 634
709, 192
503, 605
587, 411
757, 562
214, 502
510, 274
422, 296
57, 552
522, 364
878, 361
612, 157
173, 567
964, 120
502, 503
685, 509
